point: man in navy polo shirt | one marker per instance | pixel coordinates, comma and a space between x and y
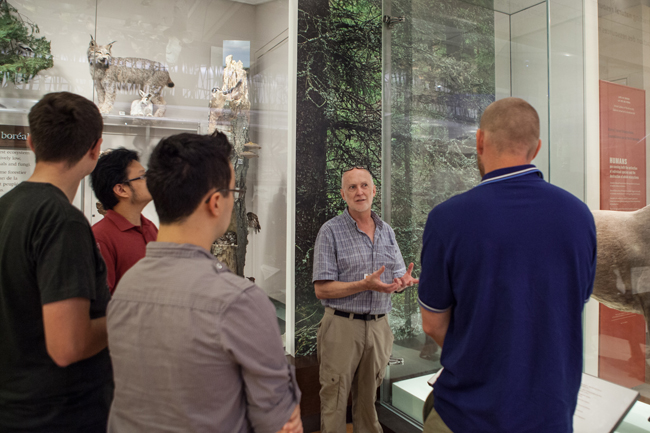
506, 270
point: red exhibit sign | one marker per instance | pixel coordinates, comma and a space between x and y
622, 147
621, 357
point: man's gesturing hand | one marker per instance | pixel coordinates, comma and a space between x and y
407, 280
373, 282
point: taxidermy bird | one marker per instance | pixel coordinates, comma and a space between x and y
253, 222
24, 50
230, 238
100, 209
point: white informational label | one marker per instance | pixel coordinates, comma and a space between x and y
601, 405
16, 165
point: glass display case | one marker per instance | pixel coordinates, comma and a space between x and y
444, 63
617, 332
186, 56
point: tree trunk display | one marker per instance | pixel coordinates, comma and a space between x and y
230, 114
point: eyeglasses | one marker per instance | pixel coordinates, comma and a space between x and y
136, 178
358, 167
237, 193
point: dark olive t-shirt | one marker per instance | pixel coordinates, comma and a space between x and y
47, 254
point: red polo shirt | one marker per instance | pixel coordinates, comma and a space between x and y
122, 244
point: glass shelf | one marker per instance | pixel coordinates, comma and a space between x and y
157, 122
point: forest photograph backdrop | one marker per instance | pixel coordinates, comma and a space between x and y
441, 77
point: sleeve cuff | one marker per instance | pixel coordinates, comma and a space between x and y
331, 276
433, 310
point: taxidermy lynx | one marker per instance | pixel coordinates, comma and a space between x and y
110, 72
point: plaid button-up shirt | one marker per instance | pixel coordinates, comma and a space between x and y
343, 252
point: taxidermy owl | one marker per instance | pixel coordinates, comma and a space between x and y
100, 209
253, 222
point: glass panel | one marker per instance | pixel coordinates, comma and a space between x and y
623, 32
447, 62
187, 43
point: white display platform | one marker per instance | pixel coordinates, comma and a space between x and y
601, 405
636, 420
409, 395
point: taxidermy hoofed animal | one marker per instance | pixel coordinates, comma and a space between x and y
623, 269
142, 107
110, 72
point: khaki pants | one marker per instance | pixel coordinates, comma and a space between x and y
353, 355
432, 421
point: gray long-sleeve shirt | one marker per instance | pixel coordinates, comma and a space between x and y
195, 348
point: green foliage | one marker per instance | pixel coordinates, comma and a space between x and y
442, 73
22, 54
348, 90
442, 77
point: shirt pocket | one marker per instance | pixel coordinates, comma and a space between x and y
386, 256
350, 261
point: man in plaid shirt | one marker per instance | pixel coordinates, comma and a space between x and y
357, 266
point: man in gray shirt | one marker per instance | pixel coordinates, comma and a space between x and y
195, 347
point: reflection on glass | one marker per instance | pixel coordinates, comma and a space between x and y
622, 42
449, 60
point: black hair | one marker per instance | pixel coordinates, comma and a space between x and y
112, 168
184, 168
64, 127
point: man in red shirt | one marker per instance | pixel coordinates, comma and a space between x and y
122, 235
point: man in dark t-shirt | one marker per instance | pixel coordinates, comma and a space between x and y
55, 371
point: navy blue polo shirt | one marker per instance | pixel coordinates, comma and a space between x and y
514, 259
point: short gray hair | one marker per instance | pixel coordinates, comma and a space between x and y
372, 182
